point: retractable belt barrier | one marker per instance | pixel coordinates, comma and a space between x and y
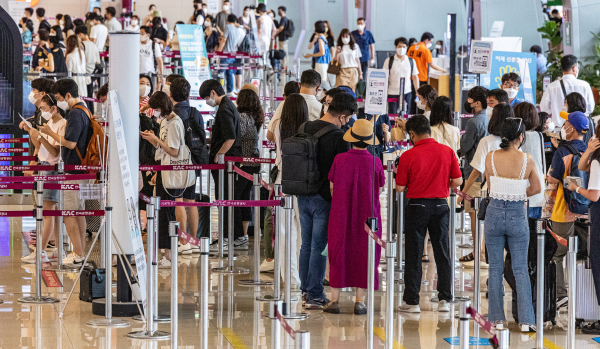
485, 325
14, 140
50, 168
73, 177
216, 203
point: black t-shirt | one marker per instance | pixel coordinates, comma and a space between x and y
37, 55
330, 145
160, 33
212, 41
44, 25
226, 126
77, 130
382, 119
60, 63
283, 22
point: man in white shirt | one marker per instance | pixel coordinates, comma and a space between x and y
112, 22
402, 67
99, 33
147, 56
92, 57
310, 81
553, 99
265, 26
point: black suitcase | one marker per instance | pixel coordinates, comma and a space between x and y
203, 217
92, 283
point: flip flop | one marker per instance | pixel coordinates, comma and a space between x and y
468, 258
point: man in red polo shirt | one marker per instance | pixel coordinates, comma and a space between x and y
426, 172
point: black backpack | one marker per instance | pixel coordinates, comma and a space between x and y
147, 150
299, 156
195, 137
245, 44
391, 63
576, 202
289, 29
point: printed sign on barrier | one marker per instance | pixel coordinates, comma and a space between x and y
472, 341
376, 93
194, 60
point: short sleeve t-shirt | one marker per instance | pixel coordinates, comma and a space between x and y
364, 41
594, 181
330, 145
422, 56
77, 130
226, 126
147, 57
348, 56
415, 170
486, 145
283, 23
400, 69
560, 168
99, 32
232, 34
59, 129
172, 132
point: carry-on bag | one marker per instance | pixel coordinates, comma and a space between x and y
92, 283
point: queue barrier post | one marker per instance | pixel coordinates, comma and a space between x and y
539, 311
371, 223
572, 294
149, 332
274, 307
155, 200
400, 237
173, 226
220, 196
277, 261
503, 336
302, 340
204, 281
390, 255
464, 317
287, 293
230, 268
452, 234
477, 255
39, 228
256, 280
108, 321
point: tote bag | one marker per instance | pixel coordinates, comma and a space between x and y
178, 179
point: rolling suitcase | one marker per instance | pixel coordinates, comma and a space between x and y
586, 304
92, 283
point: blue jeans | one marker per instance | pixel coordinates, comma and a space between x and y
314, 222
535, 212
506, 221
228, 73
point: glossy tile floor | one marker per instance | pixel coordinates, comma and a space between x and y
236, 320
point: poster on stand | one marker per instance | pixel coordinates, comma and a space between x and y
480, 60
508, 62
16, 9
194, 58
376, 93
128, 201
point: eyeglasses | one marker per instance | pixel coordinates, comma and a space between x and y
520, 121
511, 85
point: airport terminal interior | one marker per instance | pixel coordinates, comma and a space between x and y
188, 103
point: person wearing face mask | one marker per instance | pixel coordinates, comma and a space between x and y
40, 88
221, 18
135, 24
283, 35
348, 55
495, 97
265, 28
150, 54
146, 90
211, 35
439, 48
562, 219
400, 66
322, 54
554, 96
225, 140
426, 172
366, 43
426, 95
510, 84
421, 53
92, 58
55, 62
198, 15
245, 20
56, 38
68, 27
48, 152
99, 32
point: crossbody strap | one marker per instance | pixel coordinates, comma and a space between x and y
543, 153
562, 86
89, 115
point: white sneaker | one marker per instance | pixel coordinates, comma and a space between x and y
241, 243
32, 260
54, 256
443, 306
164, 263
73, 259
214, 247
184, 249
527, 328
407, 308
195, 249
267, 266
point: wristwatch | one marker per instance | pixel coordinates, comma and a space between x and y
577, 190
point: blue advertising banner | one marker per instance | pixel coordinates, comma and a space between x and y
194, 59
508, 62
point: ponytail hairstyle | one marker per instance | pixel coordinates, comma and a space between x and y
510, 130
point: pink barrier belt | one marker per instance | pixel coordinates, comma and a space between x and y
182, 167
374, 236
224, 203
285, 325
251, 178
486, 325
462, 195
89, 99
252, 160
75, 213
14, 140
73, 177
188, 238
389, 100
49, 168
29, 186
16, 157
29, 213
14, 150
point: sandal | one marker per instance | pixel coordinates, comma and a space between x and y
468, 258
426, 260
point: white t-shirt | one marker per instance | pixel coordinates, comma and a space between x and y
314, 110
99, 32
114, 25
535, 147
91, 56
348, 56
400, 69
265, 30
594, 182
133, 28
486, 145
172, 132
147, 58
59, 129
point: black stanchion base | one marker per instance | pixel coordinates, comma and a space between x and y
119, 309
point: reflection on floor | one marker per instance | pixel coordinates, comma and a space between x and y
236, 320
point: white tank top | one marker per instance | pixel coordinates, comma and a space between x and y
509, 189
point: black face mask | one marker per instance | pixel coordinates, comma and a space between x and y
468, 108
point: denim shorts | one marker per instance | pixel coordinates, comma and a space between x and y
49, 194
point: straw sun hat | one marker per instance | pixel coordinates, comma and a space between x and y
362, 130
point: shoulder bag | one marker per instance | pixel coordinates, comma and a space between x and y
334, 68
178, 179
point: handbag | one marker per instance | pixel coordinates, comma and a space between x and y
361, 88
178, 179
483, 204
334, 68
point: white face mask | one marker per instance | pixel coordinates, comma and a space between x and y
211, 102
563, 134
156, 114
271, 15
144, 38
428, 45
438, 46
167, 89
225, 7
46, 115
360, 27
144, 90
421, 105
512, 92
401, 51
134, 22
488, 111
565, 109
325, 108
346, 40
32, 98
63, 105
551, 126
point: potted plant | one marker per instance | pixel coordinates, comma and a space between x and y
550, 31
